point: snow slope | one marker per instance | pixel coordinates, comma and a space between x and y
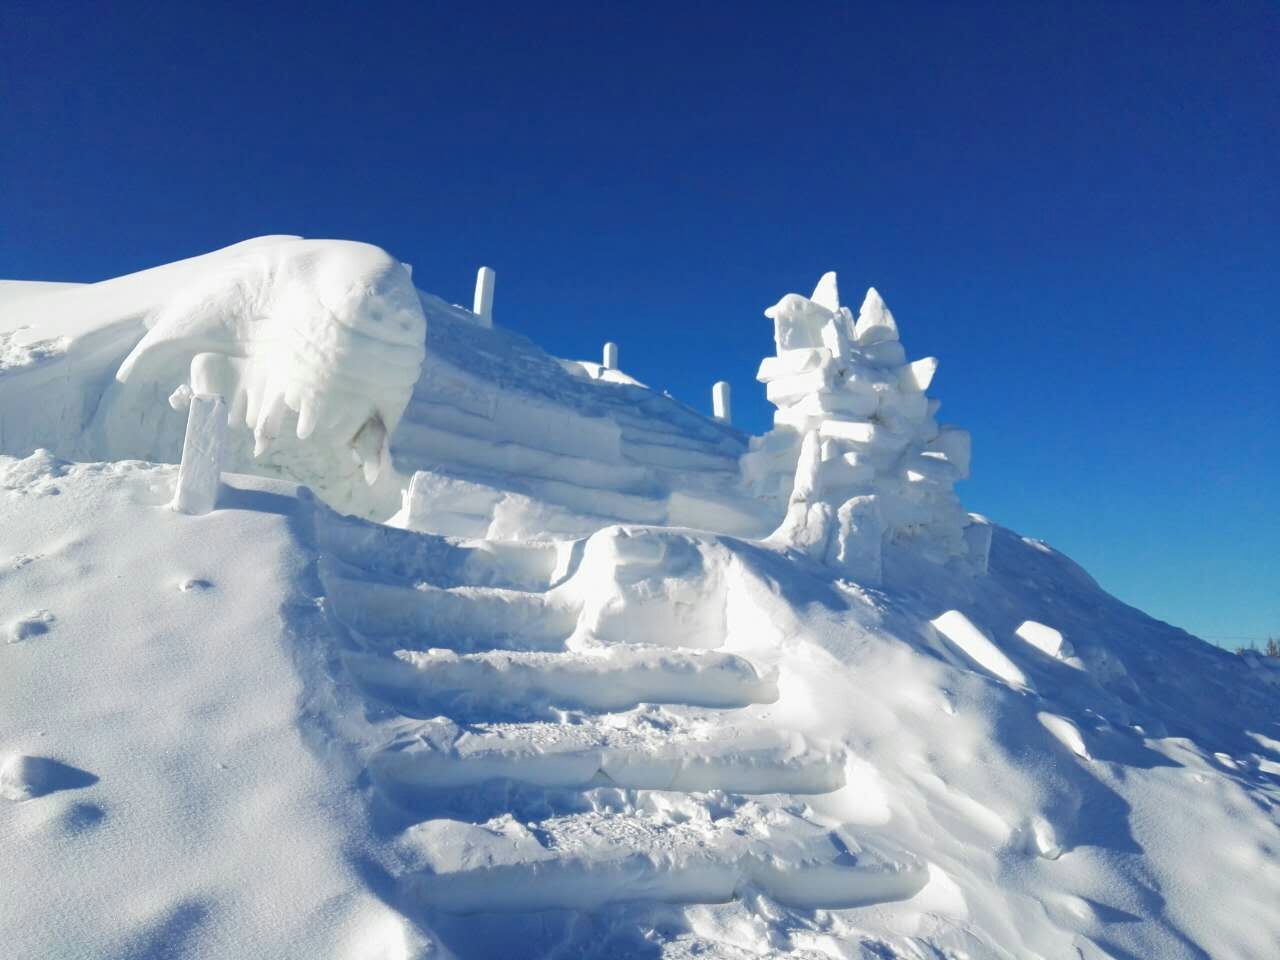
572, 727
151, 678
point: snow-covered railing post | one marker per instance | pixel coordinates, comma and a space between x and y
611, 356
201, 468
720, 406
482, 306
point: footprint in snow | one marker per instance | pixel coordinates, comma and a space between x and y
188, 586
32, 625
80, 817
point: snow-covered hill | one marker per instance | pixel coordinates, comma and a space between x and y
540, 662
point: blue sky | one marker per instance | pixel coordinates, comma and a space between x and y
1074, 206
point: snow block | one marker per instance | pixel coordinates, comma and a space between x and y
720, 402
792, 362
483, 303
917, 376
826, 293
788, 388
835, 337
854, 431
1046, 639
610, 358
857, 547
955, 445
978, 647
441, 504
977, 538
859, 402
875, 322
797, 322
808, 527
886, 353
807, 467
201, 469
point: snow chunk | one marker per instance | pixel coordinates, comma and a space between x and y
1045, 639
201, 471
826, 293
875, 322
977, 646
1066, 733
918, 374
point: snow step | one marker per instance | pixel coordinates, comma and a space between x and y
475, 616
637, 750
584, 861
610, 678
409, 557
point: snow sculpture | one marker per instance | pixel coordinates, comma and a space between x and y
721, 407
328, 332
201, 469
855, 440
482, 305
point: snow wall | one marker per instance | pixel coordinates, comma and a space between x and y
317, 347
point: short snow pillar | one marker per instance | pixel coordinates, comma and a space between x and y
483, 304
611, 356
858, 545
720, 406
201, 469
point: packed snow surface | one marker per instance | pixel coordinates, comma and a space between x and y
540, 662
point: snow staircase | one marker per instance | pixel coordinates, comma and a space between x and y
507, 745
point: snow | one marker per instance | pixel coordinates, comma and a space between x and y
200, 472
721, 407
486, 654
158, 796
977, 646
483, 303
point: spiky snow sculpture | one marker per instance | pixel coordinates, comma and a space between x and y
871, 465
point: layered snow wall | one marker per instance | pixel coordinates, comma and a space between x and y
397, 406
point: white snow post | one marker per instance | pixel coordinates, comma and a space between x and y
483, 304
720, 402
611, 356
201, 469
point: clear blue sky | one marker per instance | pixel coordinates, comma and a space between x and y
1075, 206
